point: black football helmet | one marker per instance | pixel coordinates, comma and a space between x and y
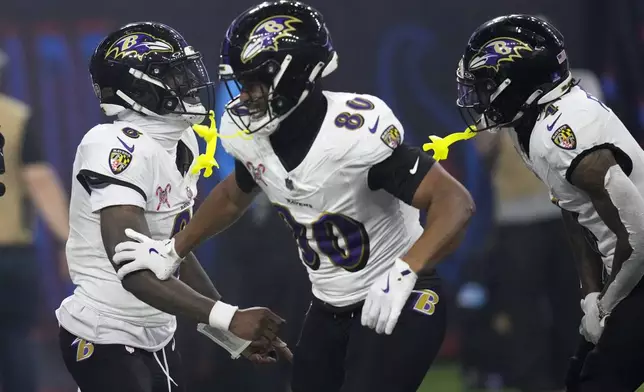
511, 63
150, 68
283, 46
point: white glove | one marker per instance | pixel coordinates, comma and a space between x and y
159, 257
592, 324
387, 297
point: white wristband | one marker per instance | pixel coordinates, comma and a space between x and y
221, 315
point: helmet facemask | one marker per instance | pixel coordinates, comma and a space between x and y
475, 98
179, 89
269, 93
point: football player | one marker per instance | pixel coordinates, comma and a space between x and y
117, 335
337, 170
514, 77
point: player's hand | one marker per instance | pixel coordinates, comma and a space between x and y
592, 325
262, 351
282, 350
255, 323
159, 257
387, 297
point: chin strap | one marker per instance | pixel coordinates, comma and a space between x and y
210, 134
441, 145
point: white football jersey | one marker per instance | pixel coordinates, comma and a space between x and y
101, 310
576, 123
347, 234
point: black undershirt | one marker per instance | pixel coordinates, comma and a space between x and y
296, 134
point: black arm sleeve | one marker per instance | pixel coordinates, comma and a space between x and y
244, 179
401, 173
31, 143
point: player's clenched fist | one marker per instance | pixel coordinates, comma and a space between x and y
253, 323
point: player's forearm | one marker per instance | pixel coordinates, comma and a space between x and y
48, 196
214, 215
623, 212
193, 274
223, 206
587, 261
445, 227
626, 273
170, 296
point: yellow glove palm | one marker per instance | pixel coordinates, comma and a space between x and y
441, 145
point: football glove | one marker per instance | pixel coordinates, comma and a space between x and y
387, 297
160, 257
592, 324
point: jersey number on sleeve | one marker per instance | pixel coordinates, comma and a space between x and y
353, 121
352, 254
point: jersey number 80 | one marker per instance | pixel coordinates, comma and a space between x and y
352, 257
353, 121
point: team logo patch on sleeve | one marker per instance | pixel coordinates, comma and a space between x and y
131, 132
391, 137
564, 138
119, 160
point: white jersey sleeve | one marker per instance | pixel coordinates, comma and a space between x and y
113, 169
372, 128
112, 195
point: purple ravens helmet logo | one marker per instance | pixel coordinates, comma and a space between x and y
137, 45
267, 34
496, 51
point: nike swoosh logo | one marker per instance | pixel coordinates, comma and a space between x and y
375, 126
152, 250
553, 123
386, 289
130, 149
413, 169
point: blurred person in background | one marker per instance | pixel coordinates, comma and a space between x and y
529, 262
514, 77
28, 177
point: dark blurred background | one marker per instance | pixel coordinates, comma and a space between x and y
511, 281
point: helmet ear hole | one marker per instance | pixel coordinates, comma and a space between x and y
280, 105
170, 104
271, 68
494, 116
